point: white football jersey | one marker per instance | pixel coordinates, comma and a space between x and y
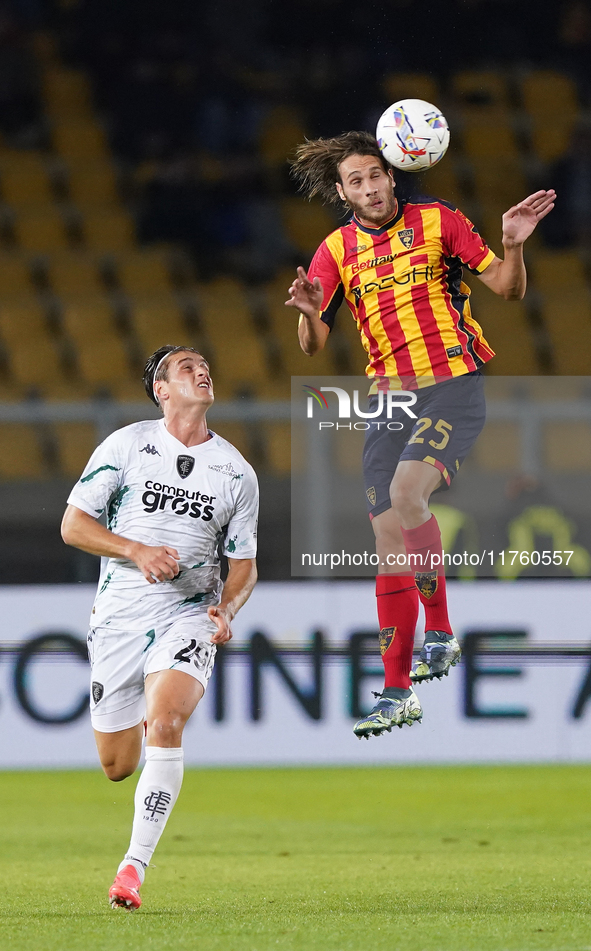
157, 491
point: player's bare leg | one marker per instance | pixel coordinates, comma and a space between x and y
171, 698
120, 752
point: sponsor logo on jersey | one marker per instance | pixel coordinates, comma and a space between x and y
185, 466
228, 470
415, 276
375, 262
407, 237
170, 498
358, 248
151, 450
454, 351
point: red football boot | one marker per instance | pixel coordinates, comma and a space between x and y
125, 890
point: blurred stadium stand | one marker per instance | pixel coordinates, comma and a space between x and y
145, 198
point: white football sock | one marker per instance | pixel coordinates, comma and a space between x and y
155, 795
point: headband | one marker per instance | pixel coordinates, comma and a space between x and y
159, 364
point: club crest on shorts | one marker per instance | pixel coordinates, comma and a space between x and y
386, 638
97, 691
426, 582
407, 237
184, 466
371, 495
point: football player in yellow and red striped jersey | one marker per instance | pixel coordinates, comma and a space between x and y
398, 265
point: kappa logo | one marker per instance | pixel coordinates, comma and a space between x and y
97, 691
185, 466
151, 450
228, 470
407, 237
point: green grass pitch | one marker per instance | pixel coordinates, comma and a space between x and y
433, 859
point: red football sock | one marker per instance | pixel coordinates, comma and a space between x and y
398, 609
424, 542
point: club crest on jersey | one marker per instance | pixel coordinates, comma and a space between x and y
184, 466
97, 691
371, 495
407, 237
426, 582
386, 638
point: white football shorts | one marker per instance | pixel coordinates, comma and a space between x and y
120, 662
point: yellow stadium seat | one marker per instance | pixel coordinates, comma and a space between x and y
66, 93
75, 444
567, 317
307, 223
20, 452
26, 182
551, 100
106, 232
42, 230
33, 355
549, 94
396, 86
282, 130
481, 90
283, 324
485, 137
92, 184
144, 272
224, 302
498, 448
82, 139
103, 362
558, 271
507, 330
499, 181
15, 277
551, 145
86, 318
158, 320
567, 446
236, 433
278, 446
74, 273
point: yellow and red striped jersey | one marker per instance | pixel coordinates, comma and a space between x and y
403, 285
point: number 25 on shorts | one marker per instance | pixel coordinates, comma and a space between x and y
440, 427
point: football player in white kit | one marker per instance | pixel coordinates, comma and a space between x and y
174, 494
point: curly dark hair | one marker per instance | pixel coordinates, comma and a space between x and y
155, 363
316, 164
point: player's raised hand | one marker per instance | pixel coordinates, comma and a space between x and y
520, 221
305, 295
221, 619
156, 562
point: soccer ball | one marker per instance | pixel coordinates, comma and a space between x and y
413, 135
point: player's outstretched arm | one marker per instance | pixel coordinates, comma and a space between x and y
508, 277
306, 296
157, 563
242, 576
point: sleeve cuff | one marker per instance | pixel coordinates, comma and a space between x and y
487, 259
84, 506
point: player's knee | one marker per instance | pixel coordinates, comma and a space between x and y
166, 730
406, 503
